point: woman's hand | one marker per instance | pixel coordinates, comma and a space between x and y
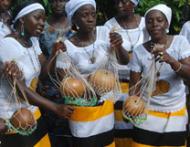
58, 46
115, 40
64, 111
161, 55
3, 127
11, 69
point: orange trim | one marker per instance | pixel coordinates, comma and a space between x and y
135, 144
118, 115
181, 112
92, 113
124, 87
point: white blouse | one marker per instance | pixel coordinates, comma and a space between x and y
27, 60
175, 98
80, 56
131, 39
4, 30
185, 31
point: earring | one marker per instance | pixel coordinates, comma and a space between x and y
77, 27
22, 30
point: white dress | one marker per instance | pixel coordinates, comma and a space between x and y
87, 128
131, 39
27, 60
185, 31
4, 30
80, 56
174, 99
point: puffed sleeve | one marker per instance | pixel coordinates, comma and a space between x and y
184, 50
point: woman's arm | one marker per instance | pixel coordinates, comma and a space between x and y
61, 110
116, 44
181, 67
48, 66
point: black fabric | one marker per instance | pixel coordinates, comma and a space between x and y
123, 133
159, 139
118, 105
58, 128
16, 140
99, 140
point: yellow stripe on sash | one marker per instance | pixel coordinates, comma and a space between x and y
44, 142
84, 114
37, 114
135, 144
123, 142
33, 84
124, 87
111, 145
181, 112
118, 115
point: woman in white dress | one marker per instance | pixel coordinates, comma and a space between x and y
88, 49
131, 27
23, 47
167, 115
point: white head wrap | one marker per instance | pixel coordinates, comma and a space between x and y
135, 2
28, 9
73, 5
167, 11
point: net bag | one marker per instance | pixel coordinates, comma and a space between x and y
136, 105
74, 88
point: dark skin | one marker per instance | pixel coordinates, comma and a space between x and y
11, 70
33, 24
5, 5
4, 14
156, 24
85, 19
126, 16
58, 18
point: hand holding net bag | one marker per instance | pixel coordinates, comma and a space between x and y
22, 120
74, 88
136, 105
105, 79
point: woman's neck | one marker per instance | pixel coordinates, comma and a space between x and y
84, 39
128, 21
57, 19
161, 40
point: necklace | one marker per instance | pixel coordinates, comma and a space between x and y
129, 37
36, 68
91, 56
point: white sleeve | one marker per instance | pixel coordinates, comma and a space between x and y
135, 64
8, 50
184, 49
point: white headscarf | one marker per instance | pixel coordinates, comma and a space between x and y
135, 2
73, 5
167, 11
28, 9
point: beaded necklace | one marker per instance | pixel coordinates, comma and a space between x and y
129, 37
91, 56
36, 69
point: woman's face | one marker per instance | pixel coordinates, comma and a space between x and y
156, 23
5, 5
58, 6
34, 22
124, 7
85, 18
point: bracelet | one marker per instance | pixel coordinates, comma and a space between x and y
179, 68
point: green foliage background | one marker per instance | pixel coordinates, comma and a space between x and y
180, 8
